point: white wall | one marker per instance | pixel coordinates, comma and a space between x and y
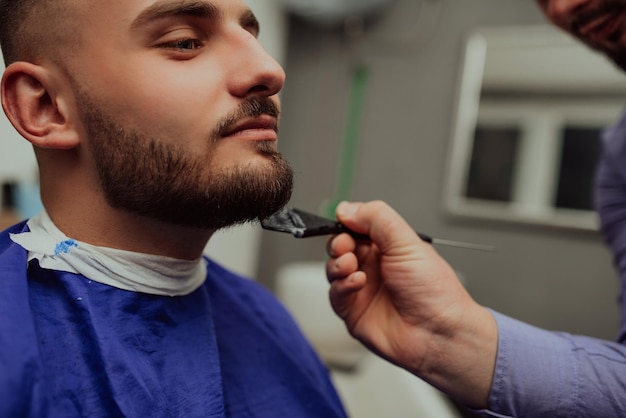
17, 160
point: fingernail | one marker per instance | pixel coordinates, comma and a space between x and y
346, 209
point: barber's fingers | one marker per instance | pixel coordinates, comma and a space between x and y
340, 244
382, 223
346, 286
346, 281
341, 266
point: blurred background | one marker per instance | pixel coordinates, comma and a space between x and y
552, 276
397, 100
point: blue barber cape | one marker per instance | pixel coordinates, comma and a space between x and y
71, 347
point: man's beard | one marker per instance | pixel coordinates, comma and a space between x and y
163, 181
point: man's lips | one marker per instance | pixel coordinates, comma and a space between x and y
260, 128
603, 26
599, 23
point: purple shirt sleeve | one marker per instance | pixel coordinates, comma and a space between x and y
610, 202
549, 374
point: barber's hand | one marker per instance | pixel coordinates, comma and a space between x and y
404, 302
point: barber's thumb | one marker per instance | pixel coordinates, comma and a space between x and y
378, 220
346, 214
346, 209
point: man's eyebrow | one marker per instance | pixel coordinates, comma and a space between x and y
249, 20
167, 8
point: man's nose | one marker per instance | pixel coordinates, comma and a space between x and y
254, 71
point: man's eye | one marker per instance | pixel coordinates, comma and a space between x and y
184, 44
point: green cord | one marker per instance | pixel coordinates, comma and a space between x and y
347, 162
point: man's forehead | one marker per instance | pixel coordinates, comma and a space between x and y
166, 8
208, 6
137, 12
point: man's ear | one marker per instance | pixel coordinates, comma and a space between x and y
34, 103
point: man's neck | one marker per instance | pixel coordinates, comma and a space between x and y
113, 228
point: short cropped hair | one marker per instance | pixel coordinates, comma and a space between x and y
30, 28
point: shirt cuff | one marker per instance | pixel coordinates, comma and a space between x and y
535, 374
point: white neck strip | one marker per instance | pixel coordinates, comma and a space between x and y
137, 272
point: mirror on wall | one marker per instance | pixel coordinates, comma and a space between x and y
532, 104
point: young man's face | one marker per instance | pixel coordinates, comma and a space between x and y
600, 24
180, 111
